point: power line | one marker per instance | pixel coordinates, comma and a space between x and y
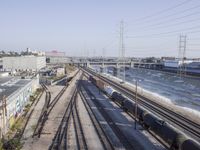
175, 24
170, 32
162, 11
172, 19
167, 16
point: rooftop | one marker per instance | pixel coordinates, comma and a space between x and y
8, 85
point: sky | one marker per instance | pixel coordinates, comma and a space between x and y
86, 27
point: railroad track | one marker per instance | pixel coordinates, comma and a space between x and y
47, 108
186, 124
42, 118
55, 100
106, 143
60, 139
80, 137
118, 132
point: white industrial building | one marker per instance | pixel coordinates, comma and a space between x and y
14, 95
24, 63
58, 60
176, 63
56, 57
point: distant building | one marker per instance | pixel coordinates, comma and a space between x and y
191, 67
58, 59
54, 53
38, 53
168, 58
14, 95
175, 63
24, 63
55, 57
28, 50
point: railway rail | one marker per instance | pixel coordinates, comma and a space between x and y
106, 143
121, 136
80, 137
60, 138
186, 124
42, 118
47, 108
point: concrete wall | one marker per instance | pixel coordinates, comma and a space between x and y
31, 63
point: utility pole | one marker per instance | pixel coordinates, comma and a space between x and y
181, 55
136, 103
122, 48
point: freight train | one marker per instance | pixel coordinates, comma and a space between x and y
174, 138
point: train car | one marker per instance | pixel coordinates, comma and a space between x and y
100, 84
170, 135
151, 121
161, 128
175, 139
118, 98
140, 112
129, 106
109, 90
92, 79
189, 144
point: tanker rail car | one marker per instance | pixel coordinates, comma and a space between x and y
174, 138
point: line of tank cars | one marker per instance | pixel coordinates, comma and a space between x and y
172, 137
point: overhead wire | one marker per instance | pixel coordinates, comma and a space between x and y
172, 19
169, 32
162, 24
174, 24
163, 11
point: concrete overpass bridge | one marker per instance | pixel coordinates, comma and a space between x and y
130, 64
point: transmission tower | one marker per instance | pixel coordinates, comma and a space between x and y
181, 55
122, 48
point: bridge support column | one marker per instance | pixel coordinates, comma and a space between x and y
132, 64
101, 69
88, 64
115, 71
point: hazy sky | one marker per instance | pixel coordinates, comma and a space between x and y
85, 27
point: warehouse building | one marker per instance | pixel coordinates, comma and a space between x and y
56, 57
14, 95
24, 63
